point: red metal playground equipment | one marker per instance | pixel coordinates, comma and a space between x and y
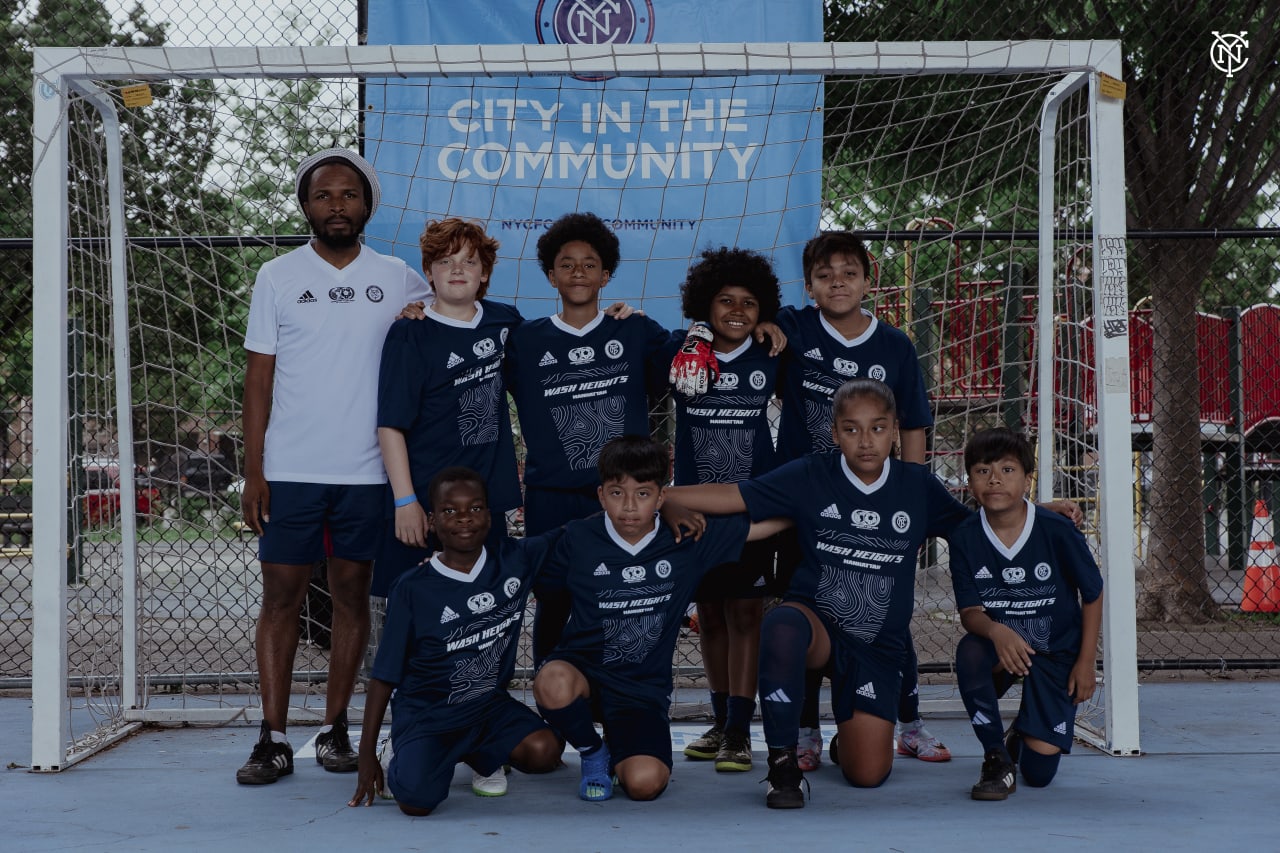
977, 343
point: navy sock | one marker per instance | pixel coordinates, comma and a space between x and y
812, 692
975, 658
739, 714
909, 698
1038, 770
550, 613
784, 641
720, 707
573, 723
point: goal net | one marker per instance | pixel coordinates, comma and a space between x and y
164, 179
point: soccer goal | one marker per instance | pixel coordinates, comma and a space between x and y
986, 177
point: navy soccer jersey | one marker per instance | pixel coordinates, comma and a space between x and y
723, 436
577, 388
820, 361
441, 384
859, 541
1035, 587
449, 640
629, 600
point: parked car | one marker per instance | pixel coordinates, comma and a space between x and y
99, 490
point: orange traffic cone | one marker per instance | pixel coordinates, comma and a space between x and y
1262, 576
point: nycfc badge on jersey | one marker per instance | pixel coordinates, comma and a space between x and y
373, 293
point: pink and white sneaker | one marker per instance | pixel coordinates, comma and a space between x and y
809, 749
915, 741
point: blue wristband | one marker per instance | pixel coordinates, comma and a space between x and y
406, 500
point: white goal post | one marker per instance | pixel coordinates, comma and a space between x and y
92, 677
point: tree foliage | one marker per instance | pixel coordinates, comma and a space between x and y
1201, 151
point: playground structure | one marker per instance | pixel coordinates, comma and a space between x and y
977, 342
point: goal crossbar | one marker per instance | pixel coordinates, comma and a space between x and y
632, 60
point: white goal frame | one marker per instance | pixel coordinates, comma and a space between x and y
60, 73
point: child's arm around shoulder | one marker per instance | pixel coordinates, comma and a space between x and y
713, 498
769, 527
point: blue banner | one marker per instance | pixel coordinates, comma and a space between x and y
673, 165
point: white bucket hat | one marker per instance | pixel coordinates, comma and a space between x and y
352, 159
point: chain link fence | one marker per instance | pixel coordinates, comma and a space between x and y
1204, 279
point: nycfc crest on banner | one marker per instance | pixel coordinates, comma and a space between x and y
672, 165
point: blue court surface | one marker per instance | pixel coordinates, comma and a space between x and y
1208, 781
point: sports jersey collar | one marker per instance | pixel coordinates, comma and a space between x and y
841, 339
454, 574
861, 486
473, 323
1010, 553
330, 269
624, 544
578, 333
730, 356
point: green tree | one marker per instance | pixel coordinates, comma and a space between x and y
1201, 152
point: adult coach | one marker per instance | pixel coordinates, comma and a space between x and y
317, 321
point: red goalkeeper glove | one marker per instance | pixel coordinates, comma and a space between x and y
694, 369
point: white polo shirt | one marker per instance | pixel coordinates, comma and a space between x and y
325, 327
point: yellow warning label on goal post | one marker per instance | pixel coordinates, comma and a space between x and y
1110, 87
136, 96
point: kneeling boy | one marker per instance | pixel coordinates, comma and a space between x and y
1030, 598
447, 649
629, 581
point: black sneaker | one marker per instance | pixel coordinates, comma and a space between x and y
999, 778
707, 746
333, 748
834, 749
268, 761
735, 753
784, 780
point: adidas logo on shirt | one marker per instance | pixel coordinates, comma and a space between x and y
814, 353
1060, 728
306, 297
778, 696
980, 719
454, 360
447, 615
867, 691
983, 574
547, 359
830, 512
601, 570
